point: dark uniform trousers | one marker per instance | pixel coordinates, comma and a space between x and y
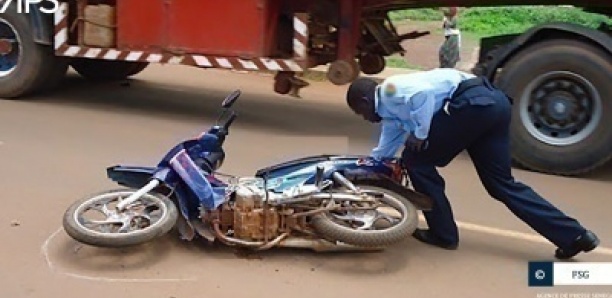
478, 121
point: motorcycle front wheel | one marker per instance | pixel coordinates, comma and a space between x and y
396, 221
96, 221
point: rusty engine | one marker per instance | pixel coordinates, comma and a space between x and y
249, 218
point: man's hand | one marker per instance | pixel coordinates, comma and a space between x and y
365, 161
415, 144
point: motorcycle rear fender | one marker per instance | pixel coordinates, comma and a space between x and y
420, 201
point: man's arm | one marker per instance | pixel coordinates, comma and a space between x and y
422, 110
391, 138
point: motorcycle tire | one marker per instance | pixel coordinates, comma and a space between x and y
74, 227
328, 228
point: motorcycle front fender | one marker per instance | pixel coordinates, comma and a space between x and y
136, 177
130, 176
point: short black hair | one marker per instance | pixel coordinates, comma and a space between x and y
360, 88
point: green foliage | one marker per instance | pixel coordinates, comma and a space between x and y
396, 61
505, 20
486, 21
421, 14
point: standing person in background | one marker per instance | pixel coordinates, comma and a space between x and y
449, 51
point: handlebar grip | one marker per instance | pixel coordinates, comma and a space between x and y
229, 121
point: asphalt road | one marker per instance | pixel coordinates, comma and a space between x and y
54, 149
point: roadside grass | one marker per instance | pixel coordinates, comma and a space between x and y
508, 20
397, 61
479, 22
487, 21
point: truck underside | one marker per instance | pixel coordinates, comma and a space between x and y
559, 118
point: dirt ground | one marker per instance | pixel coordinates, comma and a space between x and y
54, 149
423, 52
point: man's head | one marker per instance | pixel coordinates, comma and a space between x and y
360, 97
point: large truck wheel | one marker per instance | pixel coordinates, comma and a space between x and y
106, 70
25, 66
561, 90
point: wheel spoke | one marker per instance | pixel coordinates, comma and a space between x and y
125, 227
366, 219
102, 222
387, 217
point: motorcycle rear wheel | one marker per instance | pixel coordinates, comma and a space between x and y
130, 227
332, 227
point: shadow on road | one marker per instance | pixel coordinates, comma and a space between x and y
391, 260
257, 110
602, 174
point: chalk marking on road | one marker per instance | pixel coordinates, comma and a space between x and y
516, 235
461, 225
53, 268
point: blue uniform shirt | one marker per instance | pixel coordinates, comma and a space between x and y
408, 102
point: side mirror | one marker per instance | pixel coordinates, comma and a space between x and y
230, 99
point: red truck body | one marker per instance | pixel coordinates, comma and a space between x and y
285, 36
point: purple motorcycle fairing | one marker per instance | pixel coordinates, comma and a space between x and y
185, 171
209, 196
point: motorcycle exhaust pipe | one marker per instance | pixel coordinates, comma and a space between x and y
233, 241
259, 245
341, 196
320, 245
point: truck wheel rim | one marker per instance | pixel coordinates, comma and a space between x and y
560, 108
9, 61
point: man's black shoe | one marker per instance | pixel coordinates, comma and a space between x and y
584, 243
427, 237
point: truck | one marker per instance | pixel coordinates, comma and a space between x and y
116, 39
557, 74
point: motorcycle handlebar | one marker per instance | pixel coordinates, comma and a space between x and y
229, 121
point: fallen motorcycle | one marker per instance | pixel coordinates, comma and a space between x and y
324, 202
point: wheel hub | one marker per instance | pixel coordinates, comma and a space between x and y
139, 215
10, 48
341, 72
372, 63
5, 46
560, 108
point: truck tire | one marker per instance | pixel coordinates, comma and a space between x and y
28, 67
106, 70
561, 91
